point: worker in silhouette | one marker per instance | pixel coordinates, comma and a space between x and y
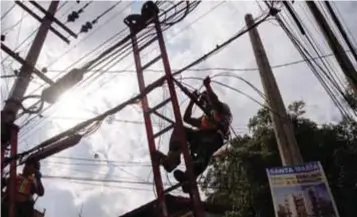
27, 184
207, 137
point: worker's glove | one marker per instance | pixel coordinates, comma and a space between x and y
207, 81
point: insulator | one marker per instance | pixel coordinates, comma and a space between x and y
89, 25
72, 17
86, 27
2, 37
44, 70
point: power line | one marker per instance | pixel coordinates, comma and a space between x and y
30, 35
302, 50
325, 71
107, 185
8, 11
345, 24
91, 160
148, 40
88, 54
148, 89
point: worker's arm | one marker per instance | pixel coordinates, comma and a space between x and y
217, 105
40, 190
187, 117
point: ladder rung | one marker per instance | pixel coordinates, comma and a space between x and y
159, 105
163, 117
174, 187
151, 62
163, 131
147, 43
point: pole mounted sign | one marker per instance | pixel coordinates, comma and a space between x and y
301, 190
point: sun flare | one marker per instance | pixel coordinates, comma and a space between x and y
70, 110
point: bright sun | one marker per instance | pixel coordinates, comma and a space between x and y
70, 110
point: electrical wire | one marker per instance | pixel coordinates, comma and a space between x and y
8, 11
87, 54
149, 88
105, 65
10, 28
327, 73
236, 90
30, 35
213, 68
305, 54
117, 43
338, 12
90, 161
313, 43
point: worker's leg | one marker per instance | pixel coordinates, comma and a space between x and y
172, 159
25, 209
210, 143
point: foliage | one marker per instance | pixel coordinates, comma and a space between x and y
351, 98
239, 177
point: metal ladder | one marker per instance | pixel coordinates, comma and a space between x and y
136, 25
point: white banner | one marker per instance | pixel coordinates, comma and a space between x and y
301, 191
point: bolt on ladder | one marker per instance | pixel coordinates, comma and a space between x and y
133, 21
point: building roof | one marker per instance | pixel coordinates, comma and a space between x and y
174, 204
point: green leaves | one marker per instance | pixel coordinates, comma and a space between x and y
239, 177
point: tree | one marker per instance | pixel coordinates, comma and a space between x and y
239, 177
351, 98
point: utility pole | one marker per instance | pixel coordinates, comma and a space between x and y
341, 56
287, 145
23, 80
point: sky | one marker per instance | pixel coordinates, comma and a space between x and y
118, 150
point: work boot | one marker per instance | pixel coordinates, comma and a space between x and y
181, 177
169, 162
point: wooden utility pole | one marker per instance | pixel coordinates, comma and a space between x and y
24, 77
341, 56
287, 145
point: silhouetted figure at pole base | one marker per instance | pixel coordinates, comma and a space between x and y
28, 184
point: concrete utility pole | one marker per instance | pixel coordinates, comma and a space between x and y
23, 80
287, 145
341, 56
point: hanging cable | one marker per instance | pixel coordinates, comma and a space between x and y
8, 11
128, 43
302, 51
147, 90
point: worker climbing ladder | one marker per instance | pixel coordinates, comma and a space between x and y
137, 23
